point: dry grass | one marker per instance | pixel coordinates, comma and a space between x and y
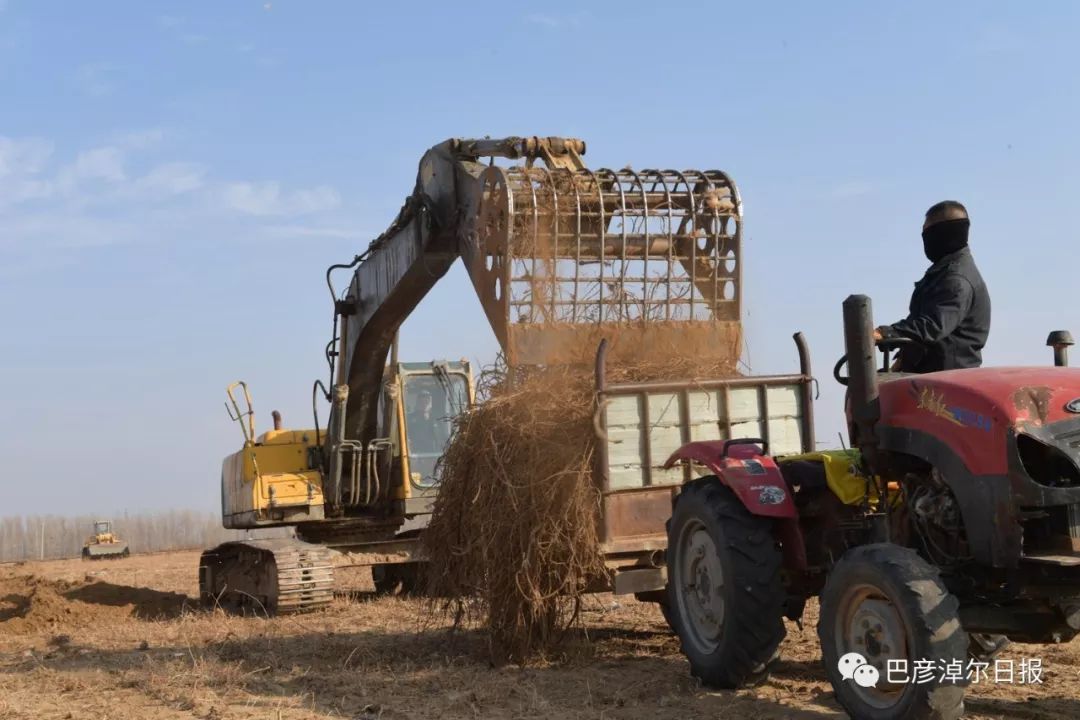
513, 524
513, 540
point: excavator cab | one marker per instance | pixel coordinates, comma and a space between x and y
432, 395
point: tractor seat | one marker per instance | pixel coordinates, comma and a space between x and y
804, 475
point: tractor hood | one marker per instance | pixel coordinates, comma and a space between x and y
975, 409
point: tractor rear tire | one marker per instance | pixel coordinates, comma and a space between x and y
725, 595
885, 602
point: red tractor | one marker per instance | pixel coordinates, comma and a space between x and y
968, 533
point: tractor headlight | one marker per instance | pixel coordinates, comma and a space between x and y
1046, 464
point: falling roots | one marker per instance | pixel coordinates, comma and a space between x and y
513, 542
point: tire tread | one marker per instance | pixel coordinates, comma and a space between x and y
927, 600
745, 657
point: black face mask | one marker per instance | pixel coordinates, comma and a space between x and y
945, 238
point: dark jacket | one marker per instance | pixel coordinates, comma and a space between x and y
426, 435
949, 317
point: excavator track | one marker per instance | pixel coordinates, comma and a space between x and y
266, 577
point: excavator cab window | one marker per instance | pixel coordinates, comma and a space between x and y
101, 528
431, 404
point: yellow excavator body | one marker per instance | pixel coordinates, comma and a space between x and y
269, 481
274, 479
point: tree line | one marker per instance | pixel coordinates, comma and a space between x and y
55, 536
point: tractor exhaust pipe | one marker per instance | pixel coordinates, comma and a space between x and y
1060, 340
862, 374
277, 419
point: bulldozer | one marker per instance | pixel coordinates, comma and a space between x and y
561, 257
950, 527
104, 543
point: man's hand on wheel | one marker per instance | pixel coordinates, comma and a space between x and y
884, 332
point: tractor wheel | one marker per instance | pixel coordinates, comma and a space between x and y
725, 597
886, 603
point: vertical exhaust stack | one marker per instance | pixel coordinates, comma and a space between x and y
1060, 340
277, 419
862, 370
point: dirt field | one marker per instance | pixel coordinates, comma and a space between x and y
122, 640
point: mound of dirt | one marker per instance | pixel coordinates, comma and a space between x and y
30, 604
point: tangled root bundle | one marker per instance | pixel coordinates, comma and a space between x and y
513, 540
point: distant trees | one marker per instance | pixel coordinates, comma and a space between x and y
54, 536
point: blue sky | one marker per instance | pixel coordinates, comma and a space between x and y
175, 177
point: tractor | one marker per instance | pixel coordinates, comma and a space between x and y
951, 526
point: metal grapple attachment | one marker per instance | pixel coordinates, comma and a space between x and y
564, 256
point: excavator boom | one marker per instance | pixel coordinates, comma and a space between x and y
560, 256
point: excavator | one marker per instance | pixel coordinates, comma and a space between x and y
561, 257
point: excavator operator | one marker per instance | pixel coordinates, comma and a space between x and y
949, 314
424, 429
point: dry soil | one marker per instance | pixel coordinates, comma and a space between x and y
122, 639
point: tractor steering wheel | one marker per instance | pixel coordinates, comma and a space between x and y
886, 345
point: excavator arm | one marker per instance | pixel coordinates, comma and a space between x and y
436, 225
560, 256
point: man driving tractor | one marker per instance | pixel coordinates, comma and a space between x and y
949, 315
